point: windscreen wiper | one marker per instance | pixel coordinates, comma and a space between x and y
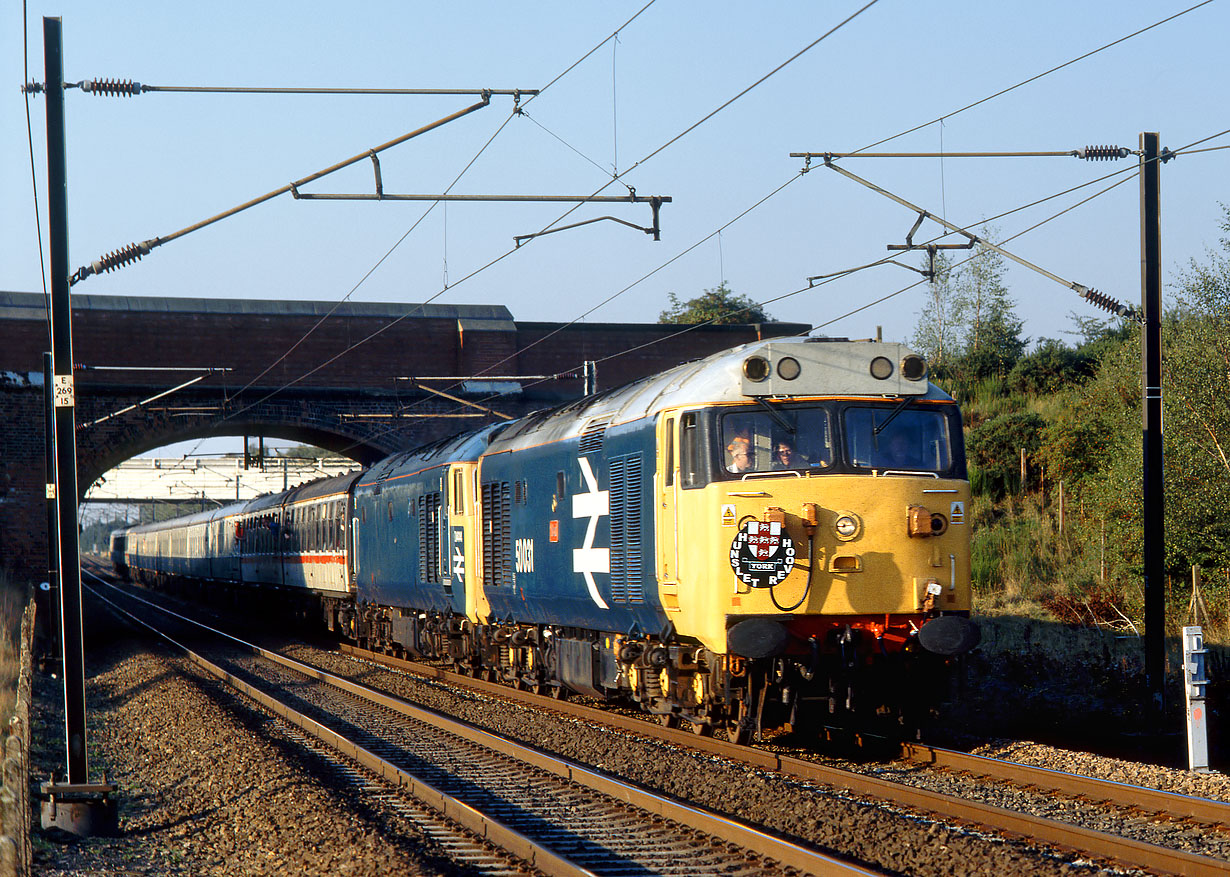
776, 415
891, 415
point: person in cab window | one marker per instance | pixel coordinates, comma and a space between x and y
786, 457
740, 452
901, 453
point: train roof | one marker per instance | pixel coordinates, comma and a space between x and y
188, 520
321, 487
778, 368
458, 448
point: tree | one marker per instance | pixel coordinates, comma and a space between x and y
719, 305
969, 329
935, 336
1097, 444
986, 315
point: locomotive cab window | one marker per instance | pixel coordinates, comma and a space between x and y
775, 439
910, 440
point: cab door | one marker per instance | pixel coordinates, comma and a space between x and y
666, 501
459, 554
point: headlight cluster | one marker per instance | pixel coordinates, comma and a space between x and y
758, 369
913, 368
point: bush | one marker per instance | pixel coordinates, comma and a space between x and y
1050, 368
995, 451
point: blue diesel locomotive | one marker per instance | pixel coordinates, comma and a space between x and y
772, 536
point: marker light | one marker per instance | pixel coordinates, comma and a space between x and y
756, 368
913, 367
788, 368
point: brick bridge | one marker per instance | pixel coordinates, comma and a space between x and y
336, 388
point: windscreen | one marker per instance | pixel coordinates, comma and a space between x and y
778, 439
914, 439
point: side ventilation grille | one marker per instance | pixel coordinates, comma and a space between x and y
593, 434
627, 567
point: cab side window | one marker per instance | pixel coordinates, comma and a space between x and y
691, 467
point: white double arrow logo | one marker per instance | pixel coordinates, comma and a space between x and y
592, 504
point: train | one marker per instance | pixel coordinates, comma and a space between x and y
773, 537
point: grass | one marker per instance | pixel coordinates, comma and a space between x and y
1022, 565
12, 604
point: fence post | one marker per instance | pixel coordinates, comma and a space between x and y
8, 856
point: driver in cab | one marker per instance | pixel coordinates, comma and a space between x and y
740, 452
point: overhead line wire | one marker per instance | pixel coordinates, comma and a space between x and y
885, 140
870, 146
1038, 76
617, 176
568, 212
675, 139
383, 258
1007, 213
732, 100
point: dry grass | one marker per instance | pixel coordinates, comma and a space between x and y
1084, 656
12, 604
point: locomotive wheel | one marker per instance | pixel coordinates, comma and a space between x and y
739, 734
667, 720
740, 730
558, 692
702, 729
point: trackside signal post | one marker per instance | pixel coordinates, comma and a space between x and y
73, 805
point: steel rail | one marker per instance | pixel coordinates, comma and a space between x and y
1049, 831
1155, 801
745, 836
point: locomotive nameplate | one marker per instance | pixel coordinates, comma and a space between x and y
762, 554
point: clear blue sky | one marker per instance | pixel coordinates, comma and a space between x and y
153, 164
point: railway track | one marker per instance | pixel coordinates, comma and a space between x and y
1127, 807
556, 816
1129, 800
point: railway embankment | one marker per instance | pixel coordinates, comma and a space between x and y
1082, 688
